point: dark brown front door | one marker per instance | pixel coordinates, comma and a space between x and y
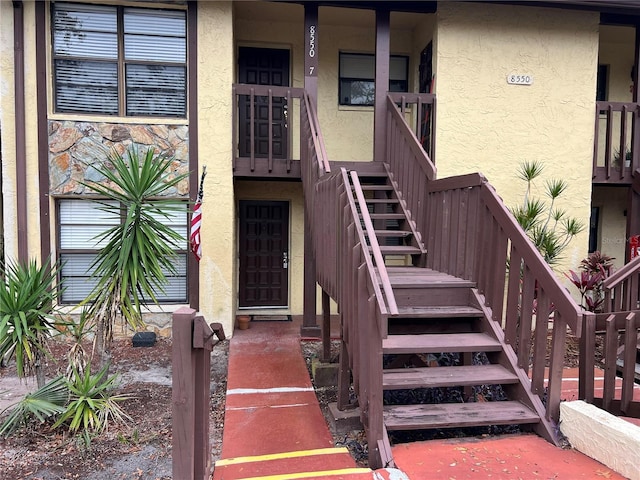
263, 66
264, 253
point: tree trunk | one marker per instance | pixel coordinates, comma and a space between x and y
40, 377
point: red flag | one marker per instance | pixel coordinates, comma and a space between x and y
196, 220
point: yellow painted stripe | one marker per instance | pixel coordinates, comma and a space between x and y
323, 474
277, 456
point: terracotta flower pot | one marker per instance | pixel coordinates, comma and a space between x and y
243, 321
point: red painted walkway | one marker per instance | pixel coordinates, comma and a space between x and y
274, 429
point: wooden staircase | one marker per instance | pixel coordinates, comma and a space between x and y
423, 266
440, 314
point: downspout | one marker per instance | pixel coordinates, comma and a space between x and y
20, 125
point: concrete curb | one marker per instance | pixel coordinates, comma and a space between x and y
602, 436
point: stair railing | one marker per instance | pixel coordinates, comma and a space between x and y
364, 306
621, 288
619, 325
410, 166
472, 235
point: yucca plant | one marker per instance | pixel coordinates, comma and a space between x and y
27, 299
130, 268
47, 401
92, 402
549, 228
77, 357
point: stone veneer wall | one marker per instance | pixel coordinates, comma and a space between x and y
75, 146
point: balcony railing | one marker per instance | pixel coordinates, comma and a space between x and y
266, 136
616, 153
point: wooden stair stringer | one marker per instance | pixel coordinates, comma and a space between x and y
544, 428
417, 237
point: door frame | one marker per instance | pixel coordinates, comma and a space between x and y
286, 237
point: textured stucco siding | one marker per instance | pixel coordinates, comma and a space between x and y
7, 121
348, 130
486, 125
612, 239
215, 77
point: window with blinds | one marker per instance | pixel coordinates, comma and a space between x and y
79, 223
357, 73
119, 60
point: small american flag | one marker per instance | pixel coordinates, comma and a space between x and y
196, 219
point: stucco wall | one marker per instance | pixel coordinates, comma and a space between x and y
486, 125
7, 122
612, 202
348, 130
217, 267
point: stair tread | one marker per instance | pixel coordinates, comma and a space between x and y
414, 276
443, 342
399, 249
393, 233
382, 200
429, 377
386, 216
385, 187
448, 415
438, 311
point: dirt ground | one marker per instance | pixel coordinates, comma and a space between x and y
140, 450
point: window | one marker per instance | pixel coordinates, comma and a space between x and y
357, 73
79, 222
119, 60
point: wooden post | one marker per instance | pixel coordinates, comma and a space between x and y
382, 85
190, 396
310, 326
182, 395
326, 327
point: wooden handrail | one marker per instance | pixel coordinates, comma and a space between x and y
619, 276
314, 125
419, 155
461, 181
266, 90
560, 297
390, 305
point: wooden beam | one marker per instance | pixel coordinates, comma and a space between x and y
381, 85
311, 51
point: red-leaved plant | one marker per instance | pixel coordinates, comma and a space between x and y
594, 269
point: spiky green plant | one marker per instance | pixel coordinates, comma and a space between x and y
27, 299
130, 267
93, 403
47, 401
77, 357
549, 228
